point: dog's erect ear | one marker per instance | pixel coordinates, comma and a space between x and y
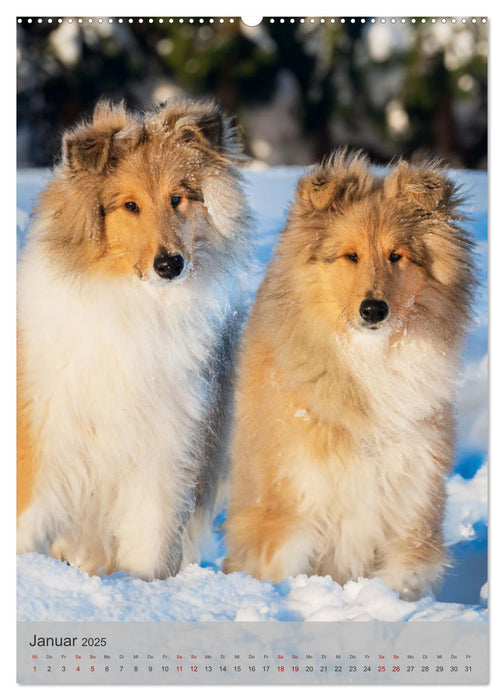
199, 122
423, 189
88, 150
88, 147
319, 192
205, 125
428, 200
342, 179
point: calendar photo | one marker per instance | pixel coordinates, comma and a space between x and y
252, 350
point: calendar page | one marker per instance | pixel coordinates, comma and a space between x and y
252, 350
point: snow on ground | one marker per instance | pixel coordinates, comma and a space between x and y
51, 590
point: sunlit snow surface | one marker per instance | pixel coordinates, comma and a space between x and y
51, 590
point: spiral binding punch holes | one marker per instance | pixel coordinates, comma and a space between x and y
248, 21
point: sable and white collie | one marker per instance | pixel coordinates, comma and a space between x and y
344, 425
127, 311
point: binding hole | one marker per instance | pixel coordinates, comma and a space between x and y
251, 21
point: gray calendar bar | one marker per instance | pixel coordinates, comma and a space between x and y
256, 652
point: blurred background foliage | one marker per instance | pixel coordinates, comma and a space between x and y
299, 89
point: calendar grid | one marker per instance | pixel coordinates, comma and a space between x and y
231, 652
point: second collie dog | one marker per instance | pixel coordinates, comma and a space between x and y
344, 418
126, 322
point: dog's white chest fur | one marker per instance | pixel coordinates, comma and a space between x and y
116, 371
353, 505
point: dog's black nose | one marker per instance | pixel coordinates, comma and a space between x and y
373, 310
168, 265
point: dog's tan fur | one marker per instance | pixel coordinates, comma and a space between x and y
343, 434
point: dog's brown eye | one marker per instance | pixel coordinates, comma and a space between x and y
353, 257
132, 206
175, 201
394, 257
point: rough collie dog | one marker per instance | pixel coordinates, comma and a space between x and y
344, 420
126, 320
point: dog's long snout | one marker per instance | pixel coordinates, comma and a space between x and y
168, 265
374, 310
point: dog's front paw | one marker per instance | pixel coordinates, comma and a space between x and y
92, 561
412, 585
60, 549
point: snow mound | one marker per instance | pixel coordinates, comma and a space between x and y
50, 590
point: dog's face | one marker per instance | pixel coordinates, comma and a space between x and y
155, 218
149, 196
381, 256
369, 269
